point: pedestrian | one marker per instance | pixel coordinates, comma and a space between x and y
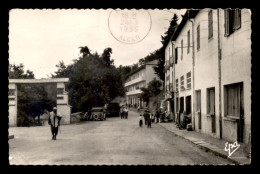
140, 120
54, 121
126, 112
146, 115
157, 114
122, 112
149, 121
152, 117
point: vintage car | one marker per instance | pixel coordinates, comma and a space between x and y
97, 113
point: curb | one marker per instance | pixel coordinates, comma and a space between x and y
207, 149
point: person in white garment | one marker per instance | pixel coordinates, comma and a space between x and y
54, 121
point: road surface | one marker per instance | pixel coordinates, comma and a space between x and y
115, 141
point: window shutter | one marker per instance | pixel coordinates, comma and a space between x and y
237, 19
188, 40
181, 49
226, 23
198, 37
231, 20
176, 55
210, 23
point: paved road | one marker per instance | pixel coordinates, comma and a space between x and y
112, 142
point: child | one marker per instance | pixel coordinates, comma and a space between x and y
140, 120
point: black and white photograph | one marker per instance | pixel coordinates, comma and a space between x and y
129, 86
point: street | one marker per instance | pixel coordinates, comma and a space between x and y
115, 141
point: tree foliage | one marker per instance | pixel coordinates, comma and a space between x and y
153, 89
17, 72
106, 55
92, 82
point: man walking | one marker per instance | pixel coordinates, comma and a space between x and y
146, 115
126, 112
149, 124
54, 121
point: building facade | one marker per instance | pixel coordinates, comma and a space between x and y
138, 79
212, 71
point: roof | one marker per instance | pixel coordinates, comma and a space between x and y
188, 15
52, 80
154, 62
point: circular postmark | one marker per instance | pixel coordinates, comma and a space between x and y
129, 26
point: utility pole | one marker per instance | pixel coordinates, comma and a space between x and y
193, 64
219, 79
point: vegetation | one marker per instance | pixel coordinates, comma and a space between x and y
153, 89
94, 80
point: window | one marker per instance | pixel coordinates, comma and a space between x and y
182, 83
177, 85
11, 99
211, 101
198, 106
60, 90
234, 100
198, 100
210, 20
59, 98
181, 49
188, 41
168, 78
181, 104
176, 55
188, 105
188, 80
232, 20
211, 108
11, 92
198, 37
177, 104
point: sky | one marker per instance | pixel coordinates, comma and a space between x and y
39, 39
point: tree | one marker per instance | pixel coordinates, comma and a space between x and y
92, 82
159, 68
171, 29
17, 72
152, 90
106, 55
84, 50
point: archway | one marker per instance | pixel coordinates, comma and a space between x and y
62, 97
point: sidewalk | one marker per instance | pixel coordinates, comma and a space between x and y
208, 143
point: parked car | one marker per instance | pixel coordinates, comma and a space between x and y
112, 109
97, 113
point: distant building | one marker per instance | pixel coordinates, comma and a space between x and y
136, 80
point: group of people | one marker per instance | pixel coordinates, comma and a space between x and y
124, 112
148, 119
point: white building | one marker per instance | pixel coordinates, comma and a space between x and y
136, 80
212, 71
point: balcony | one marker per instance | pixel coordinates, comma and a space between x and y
139, 79
138, 91
167, 65
171, 61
